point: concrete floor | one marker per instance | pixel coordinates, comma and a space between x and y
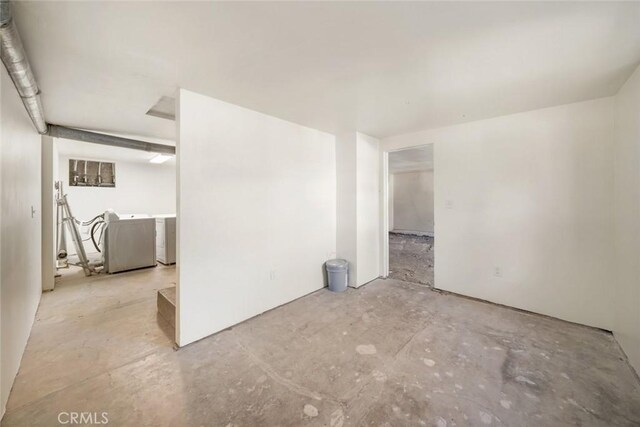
411, 258
390, 353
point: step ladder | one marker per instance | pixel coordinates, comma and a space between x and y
66, 217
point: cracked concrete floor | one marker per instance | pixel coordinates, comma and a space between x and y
411, 258
389, 353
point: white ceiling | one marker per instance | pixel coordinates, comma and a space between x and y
381, 68
411, 160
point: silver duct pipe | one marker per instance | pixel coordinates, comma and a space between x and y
114, 141
15, 60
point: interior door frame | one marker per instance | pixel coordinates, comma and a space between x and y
384, 208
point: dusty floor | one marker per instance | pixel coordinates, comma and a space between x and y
411, 258
390, 353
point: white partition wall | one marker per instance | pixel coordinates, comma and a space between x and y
627, 220
524, 209
256, 213
346, 203
368, 203
358, 212
49, 172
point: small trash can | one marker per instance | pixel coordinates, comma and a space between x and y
337, 271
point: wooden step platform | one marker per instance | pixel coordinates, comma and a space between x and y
167, 305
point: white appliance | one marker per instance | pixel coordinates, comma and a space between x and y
166, 239
129, 242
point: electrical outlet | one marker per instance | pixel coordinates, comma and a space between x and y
497, 271
272, 275
448, 204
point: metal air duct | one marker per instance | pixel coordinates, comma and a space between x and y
114, 141
15, 60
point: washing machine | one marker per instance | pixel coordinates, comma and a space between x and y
129, 242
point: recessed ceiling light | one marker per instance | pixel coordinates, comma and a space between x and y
161, 158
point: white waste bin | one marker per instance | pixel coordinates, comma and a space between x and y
337, 272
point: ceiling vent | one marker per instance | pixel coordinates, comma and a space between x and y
165, 108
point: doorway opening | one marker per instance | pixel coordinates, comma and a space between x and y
102, 312
111, 230
410, 207
110, 204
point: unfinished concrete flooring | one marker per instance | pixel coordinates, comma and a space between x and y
87, 327
411, 258
391, 353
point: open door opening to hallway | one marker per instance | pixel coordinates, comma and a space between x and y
411, 215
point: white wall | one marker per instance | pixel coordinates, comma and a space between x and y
627, 231
390, 198
358, 206
346, 203
20, 246
141, 188
530, 194
368, 208
49, 174
412, 199
256, 213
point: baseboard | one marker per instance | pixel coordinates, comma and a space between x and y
413, 232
